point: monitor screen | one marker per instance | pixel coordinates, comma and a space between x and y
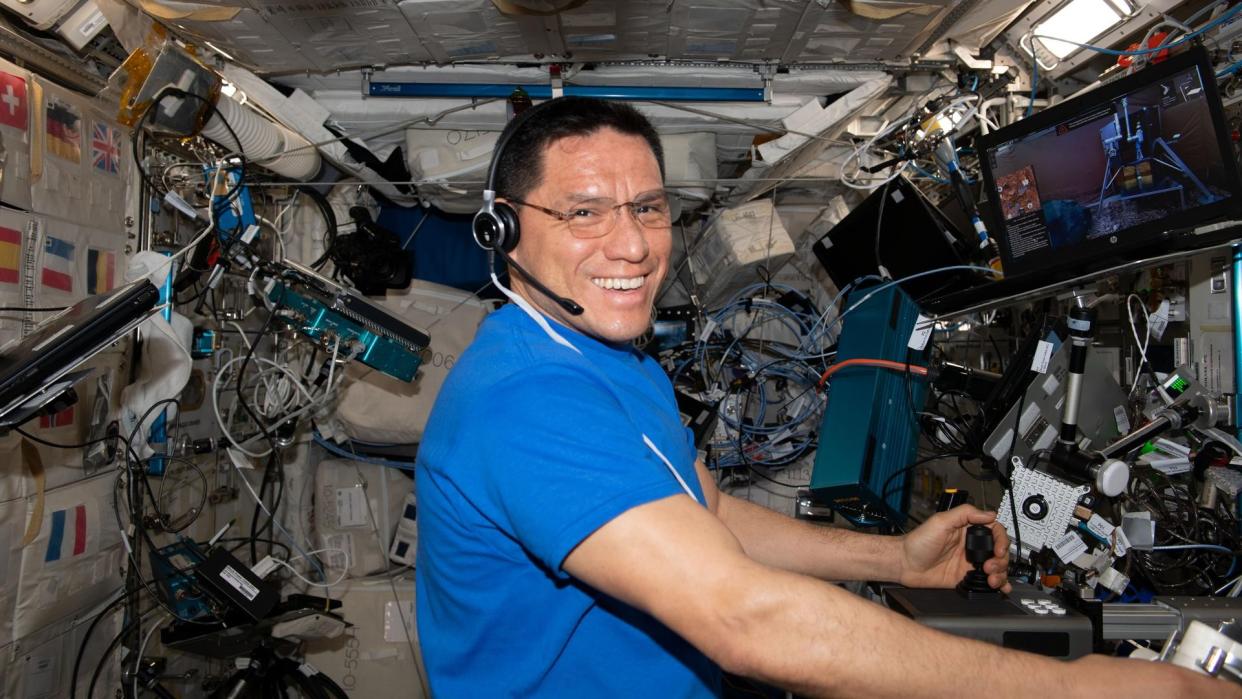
1122, 167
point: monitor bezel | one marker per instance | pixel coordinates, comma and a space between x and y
1146, 238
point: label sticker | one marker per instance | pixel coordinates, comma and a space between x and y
351, 507
239, 583
1100, 527
1070, 546
1123, 420
921, 333
1042, 358
1159, 321
1122, 543
399, 622
1172, 466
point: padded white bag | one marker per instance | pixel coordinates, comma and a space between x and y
375, 407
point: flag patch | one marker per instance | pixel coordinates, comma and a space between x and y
63, 418
100, 271
106, 149
14, 109
66, 544
64, 130
10, 255
58, 264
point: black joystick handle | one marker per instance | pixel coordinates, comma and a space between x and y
979, 545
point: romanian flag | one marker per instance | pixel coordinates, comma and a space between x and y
10, 255
100, 271
62, 419
64, 131
58, 264
66, 539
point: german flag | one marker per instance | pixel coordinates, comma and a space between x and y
10, 255
64, 131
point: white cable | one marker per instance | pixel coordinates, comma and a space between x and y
1142, 346
327, 586
215, 400
142, 648
1164, 395
1185, 547
271, 517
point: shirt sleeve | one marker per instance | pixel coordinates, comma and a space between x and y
567, 457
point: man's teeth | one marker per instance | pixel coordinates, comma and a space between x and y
619, 283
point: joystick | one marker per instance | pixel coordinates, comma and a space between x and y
979, 545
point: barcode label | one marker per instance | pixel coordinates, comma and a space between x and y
239, 583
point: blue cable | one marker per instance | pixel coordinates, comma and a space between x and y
1230, 69
333, 448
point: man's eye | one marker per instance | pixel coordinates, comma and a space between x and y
584, 213
650, 208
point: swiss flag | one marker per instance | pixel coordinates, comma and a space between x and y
14, 110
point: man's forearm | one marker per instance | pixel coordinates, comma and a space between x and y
801, 547
821, 641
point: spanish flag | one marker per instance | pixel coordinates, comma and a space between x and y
10, 255
100, 271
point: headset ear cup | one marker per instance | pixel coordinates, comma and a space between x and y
487, 229
507, 217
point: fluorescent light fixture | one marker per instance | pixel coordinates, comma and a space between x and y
1080, 21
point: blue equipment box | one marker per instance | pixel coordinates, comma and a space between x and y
870, 429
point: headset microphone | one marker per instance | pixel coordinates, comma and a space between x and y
571, 307
495, 226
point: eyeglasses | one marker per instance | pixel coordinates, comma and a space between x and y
596, 218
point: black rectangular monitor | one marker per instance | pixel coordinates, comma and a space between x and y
1116, 174
31, 368
914, 236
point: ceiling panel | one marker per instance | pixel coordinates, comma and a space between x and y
285, 36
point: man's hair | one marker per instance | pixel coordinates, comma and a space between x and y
521, 164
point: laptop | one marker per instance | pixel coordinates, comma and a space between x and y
36, 369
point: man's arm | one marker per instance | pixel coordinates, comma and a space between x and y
829, 553
676, 561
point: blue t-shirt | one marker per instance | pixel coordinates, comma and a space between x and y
529, 449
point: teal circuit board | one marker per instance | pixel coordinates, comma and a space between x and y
372, 335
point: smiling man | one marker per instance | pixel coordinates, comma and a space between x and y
569, 543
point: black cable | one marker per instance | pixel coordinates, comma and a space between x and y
331, 686
879, 221
42, 309
241, 398
90, 690
77, 662
329, 219
57, 445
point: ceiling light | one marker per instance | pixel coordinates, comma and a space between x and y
1079, 21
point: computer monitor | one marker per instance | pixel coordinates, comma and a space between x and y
914, 237
1120, 172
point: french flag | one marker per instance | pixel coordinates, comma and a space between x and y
63, 544
58, 264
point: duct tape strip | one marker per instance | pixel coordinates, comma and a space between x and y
34, 463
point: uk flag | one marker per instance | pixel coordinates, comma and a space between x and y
106, 149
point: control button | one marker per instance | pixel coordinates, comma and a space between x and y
1058, 611
1040, 610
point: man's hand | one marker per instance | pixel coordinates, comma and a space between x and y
934, 555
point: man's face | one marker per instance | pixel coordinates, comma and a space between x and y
614, 277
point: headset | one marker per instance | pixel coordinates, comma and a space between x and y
495, 226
